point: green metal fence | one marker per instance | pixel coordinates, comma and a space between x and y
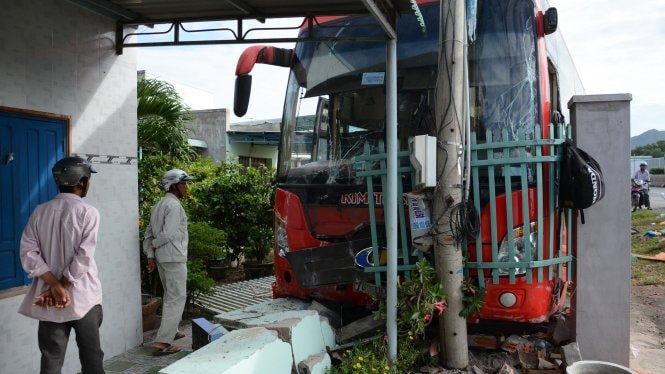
510, 169
366, 164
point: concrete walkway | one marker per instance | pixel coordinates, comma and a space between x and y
656, 198
225, 298
139, 360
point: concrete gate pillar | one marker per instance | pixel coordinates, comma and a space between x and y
601, 303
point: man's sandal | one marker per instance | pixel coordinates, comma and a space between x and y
169, 349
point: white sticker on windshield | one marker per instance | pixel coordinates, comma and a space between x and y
371, 79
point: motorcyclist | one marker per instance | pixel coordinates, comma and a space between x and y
644, 176
636, 193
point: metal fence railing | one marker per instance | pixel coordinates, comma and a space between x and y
514, 192
369, 171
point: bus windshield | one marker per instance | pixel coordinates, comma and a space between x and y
503, 70
335, 100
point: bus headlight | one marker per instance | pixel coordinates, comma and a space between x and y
520, 243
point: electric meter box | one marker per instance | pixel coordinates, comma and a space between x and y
423, 159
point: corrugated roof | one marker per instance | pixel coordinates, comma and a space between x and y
232, 296
261, 126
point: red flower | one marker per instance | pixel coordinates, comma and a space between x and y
427, 317
440, 306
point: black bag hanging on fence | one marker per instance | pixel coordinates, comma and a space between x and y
580, 179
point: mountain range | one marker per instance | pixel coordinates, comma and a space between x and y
648, 137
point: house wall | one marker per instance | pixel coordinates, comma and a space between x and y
210, 126
56, 57
253, 150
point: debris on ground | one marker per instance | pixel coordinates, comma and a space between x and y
659, 257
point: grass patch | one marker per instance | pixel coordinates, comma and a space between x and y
647, 272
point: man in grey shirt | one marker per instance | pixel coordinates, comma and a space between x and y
644, 176
165, 245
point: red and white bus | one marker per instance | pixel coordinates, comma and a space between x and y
328, 206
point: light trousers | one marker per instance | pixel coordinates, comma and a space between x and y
174, 280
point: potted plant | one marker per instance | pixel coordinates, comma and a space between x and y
149, 306
239, 200
208, 245
259, 252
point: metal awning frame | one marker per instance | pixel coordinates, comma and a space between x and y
383, 11
238, 35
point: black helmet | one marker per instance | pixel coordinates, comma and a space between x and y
70, 170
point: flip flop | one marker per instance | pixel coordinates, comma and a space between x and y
169, 349
179, 335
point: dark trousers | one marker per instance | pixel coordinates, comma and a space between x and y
53, 338
647, 203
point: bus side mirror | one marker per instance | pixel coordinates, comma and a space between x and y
241, 94
550, 21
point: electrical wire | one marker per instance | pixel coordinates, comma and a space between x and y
464, 221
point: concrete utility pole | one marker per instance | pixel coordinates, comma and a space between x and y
450, 114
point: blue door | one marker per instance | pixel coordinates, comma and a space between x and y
29, 147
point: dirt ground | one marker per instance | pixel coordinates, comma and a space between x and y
647, 329
647, 316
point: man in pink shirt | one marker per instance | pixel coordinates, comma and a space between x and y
58, 252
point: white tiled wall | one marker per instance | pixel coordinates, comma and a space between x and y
58, 58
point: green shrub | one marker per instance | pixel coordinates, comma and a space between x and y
240, 201
206, 242
371, 356
198, 281
419, 299
657, 170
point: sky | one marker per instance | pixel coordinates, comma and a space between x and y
618, 46
205, 75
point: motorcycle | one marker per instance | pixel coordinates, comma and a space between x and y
637, 190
